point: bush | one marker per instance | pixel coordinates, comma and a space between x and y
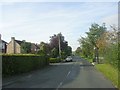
111, 55
16, 64
54, 60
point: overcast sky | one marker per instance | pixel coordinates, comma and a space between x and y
37, 21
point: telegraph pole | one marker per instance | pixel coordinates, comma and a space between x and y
59, 46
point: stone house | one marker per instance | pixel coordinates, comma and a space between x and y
14, 46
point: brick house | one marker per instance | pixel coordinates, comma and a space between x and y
3, 45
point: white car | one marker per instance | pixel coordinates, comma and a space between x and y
69, 58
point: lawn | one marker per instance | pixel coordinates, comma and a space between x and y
109, 72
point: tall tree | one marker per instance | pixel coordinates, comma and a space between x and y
57, 42
86, 46
26, 47
44, 48
91, 43
95, 32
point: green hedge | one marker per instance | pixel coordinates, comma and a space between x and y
16, 64
54, 60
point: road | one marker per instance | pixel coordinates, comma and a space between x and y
76, 74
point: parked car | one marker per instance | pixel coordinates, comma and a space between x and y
68, 59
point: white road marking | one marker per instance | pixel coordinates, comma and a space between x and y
59, 85
62, 81
68, 73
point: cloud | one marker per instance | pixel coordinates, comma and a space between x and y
36, 22
111, 20
59, 1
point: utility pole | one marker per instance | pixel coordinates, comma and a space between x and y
59, 46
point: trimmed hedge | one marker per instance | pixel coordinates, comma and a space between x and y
54, 60
16, 64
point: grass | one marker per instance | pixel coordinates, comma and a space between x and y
88, 59
110, 72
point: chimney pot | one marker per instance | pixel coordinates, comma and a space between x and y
12, 38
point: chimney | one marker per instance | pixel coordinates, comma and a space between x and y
13, 44
12, 38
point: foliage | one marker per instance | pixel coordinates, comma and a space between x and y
78, 51
101, 42
44, 49
17, 64
110, 72
25, 47
86, 46
57, 42
54, 60
54, 52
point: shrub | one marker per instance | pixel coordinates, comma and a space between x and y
54, 60
16, 64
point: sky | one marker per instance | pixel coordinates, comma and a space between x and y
37, 21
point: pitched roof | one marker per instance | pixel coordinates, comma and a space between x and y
19, 42
33, 44
4, 41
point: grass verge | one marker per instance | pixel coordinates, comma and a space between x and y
110, 72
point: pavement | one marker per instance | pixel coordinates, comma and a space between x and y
77, 74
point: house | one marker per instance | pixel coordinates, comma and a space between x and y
3, 45
14, 46
34, 48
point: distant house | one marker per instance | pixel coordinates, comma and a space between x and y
3, 45
34, 48
14, 46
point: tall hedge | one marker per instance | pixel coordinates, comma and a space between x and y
16, 64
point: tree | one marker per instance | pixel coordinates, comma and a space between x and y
25, 47
54, 52
111, 50
44, 48
91, 44
78, 51
86, 47
95, 32
54, 45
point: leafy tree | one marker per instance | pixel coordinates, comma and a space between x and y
54, 52
54, 45
86, 46
78, 51
44, 48
91, 44
95, 32
111, 50
25, 47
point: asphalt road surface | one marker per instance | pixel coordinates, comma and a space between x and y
76, 74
